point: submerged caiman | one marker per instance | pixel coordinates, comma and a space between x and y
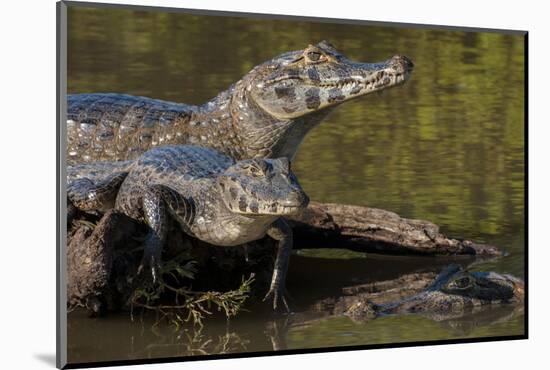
459, 299
264, 115
454, 292
210, 195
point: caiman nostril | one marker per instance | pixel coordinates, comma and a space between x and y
402, 61
408, 63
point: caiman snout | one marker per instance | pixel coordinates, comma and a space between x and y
401, 64
297, 199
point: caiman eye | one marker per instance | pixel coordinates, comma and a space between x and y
314, 56
463, 282
257, 169
254, 171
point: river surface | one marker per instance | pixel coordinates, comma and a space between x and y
446, 147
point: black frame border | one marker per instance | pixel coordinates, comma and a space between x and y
61, 72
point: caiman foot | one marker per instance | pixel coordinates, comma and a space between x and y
96, 306
150, 263
278, 294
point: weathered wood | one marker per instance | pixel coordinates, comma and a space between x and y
376, 231
94, 282
90, 258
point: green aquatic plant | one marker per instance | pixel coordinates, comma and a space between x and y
188, 305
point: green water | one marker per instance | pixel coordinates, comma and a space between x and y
447, 147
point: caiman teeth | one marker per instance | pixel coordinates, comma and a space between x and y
378, 80
289, 209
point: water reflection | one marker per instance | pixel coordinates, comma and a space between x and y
115, 337
142, 340
313, 279
447, 147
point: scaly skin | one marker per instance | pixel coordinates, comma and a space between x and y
460, 300
211, 196
453, 293
264, 115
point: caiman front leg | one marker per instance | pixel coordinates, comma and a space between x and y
154, 215
85, 195
281, 232
158, 203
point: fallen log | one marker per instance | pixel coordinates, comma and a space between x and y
374, 230
90, 261
100, 262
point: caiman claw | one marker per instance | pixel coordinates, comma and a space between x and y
150, 260
277, 294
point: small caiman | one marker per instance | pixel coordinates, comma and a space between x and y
454, 292
213, 198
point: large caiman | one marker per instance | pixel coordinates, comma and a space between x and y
266, 114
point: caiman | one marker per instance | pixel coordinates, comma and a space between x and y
210, 195
454, 292
266, 114
456, 298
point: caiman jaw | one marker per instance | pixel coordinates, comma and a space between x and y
318, 77
389, 74
262, 187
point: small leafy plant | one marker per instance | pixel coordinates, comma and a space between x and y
189, 305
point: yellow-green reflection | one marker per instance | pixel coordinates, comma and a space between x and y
341, 331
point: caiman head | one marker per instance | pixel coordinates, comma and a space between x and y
262, 187
484, 286
453, 293
458, 290
298, 83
